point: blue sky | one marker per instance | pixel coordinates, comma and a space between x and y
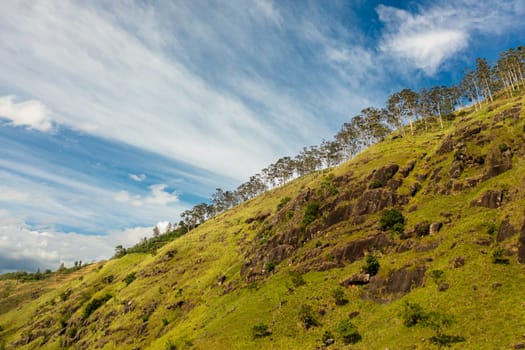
115, 116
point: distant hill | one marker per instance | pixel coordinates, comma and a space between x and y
416, 243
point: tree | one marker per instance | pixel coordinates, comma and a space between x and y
156, 231
485, 78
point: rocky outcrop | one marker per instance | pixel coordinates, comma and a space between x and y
375, 200
491, 199
382, 175
357, 279
356, 249
521, 247
395, 285
499, 163
446, 146
506, 230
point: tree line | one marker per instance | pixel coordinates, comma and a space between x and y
402, 112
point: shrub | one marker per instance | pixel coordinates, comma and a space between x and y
283, 202
446, 340
310, 214
306, 315
297, 279
261, 330
339, 296
371, 266
65, 294
108, 279
270, 267
348, 332
436, 275
165, 322
169, 345
498, 256
413, 314
503, 147
130, 278
491, 228
393, 220
95, 304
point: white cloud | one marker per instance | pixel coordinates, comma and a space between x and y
32, 114
138, 178
436, 33
157, 197
24, 248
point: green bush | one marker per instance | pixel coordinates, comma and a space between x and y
348, 332
297, 279
95, 304
339, 296
437, 275
371, 266
270, 267
261, 330
306, 316
392, 220
310, 214
130, 278
443, 340
413, 314
503, 147
283, 202
498, 256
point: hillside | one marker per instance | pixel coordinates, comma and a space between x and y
285, 269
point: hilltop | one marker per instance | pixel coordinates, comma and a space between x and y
416, 243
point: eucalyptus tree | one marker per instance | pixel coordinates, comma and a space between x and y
485, 78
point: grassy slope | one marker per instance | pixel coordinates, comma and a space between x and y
210, 318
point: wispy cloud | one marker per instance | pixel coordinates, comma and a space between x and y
32, 114
157, 196
138, 178
439, 31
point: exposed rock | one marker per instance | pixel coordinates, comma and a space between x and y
491, 199
357, 279
499, 163
471, 132
472, 182
279, 253
443, 287
422, 229
435, 174
415, 189
420, 247
356, 249
341, 213
395, 285
374, 200
435, 227
521, 247
353, 314
519, 346
408, 169
394, 184
446, 146
483, 241
456, 169
506, 230
459, 261
457, 186
382, 175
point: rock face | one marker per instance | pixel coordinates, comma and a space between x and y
395, 285
499, 163
356, 249
506, 230
491, 199
446, 146
384, 174
435, 227
357, 279
374, 200
521, 248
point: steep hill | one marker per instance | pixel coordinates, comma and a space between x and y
294, 267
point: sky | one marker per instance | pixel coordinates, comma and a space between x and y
116, 116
